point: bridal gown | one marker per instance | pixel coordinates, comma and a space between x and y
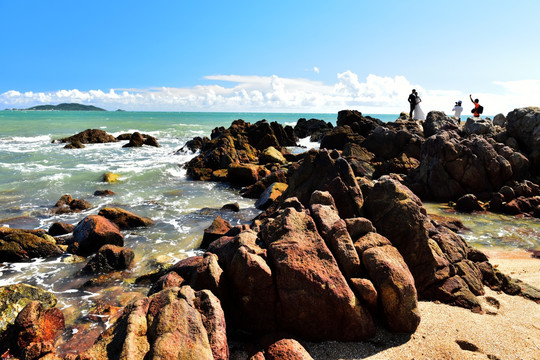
418, 114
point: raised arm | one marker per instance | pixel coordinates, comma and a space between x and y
470, 96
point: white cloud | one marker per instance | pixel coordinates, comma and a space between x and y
375, 94
316, 70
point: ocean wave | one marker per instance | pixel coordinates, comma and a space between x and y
57, 177
307, 143
26, 139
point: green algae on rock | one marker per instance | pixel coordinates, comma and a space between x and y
14, 298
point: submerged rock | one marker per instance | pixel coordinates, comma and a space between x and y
138, 140
67, 204
110, 177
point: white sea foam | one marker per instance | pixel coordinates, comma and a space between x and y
26, 139
58, 176
308, 144
197, 132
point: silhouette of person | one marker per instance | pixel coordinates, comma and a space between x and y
412, 102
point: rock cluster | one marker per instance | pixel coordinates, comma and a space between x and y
343, 240
67, 204
90, 136
223, 156
97, 136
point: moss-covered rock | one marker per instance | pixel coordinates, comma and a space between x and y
14, 298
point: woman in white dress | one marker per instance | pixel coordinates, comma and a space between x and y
418, 114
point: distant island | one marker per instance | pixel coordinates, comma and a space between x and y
66, 107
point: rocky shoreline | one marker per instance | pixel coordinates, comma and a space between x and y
342, 247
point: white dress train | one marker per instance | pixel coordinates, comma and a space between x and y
418, 114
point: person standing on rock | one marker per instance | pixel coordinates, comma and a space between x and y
418, 113
412, 102
477, 108
457, 111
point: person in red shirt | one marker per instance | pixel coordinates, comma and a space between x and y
476, 105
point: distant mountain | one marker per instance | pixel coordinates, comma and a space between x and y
67, 107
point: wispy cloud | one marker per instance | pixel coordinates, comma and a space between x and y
375, 94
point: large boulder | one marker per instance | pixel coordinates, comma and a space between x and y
334, 231
337, 137
478, 126
395, 286
246, 174
60, 228
93, 232
252, 290
431, 251
360, 124
285, 349
271, 155
405, 224
313, 128
523, 124
437, 121
138, 140
90, 136
318, 170
175, 323
270, 195
67, 204
388, 143
499, 120
307, 277
202, 272
124, 219
23, 246
451, 167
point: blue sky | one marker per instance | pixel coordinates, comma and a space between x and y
291, 55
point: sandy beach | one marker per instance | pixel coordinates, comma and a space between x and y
510, 328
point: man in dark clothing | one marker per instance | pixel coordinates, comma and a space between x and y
412, 102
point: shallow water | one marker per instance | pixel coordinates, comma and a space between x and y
494, 230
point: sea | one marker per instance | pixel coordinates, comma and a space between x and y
36, 170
